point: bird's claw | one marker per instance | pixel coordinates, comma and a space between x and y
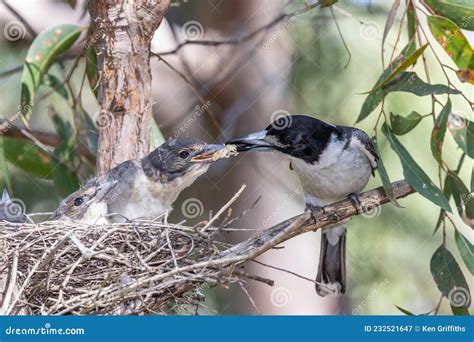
356, 201
315, 210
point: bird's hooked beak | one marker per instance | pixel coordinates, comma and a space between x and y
210, 153
254, 141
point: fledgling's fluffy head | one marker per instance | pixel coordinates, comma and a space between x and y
181, 158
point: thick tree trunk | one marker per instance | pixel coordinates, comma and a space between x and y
123, 30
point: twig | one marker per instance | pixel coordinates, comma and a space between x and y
236, 41
11, 283
223, 209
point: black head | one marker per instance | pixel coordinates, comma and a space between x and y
181, 158
299, 136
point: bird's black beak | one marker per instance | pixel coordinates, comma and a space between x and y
210, 153
254, 141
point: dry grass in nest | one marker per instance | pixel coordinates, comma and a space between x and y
141, 267
134, 268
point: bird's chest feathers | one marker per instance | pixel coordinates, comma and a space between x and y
96, 214
341, 170
146, 197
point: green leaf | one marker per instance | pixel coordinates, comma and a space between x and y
439, 131
390, 19
461, 194
451, 38
402, 125
459, 11
466, 75
327, 3
460, 311
405, 311
43, 52
387, 185
410, 82
63, 128
403, 66
65, 178
92, 70
411, 21
414, 174
28, 157
462, 131
4, 168
54, 83
466, 249
472, 179
87, 130
449, 278
405, 82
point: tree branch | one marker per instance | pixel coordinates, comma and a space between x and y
332, 214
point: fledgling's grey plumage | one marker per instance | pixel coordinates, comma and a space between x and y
332, 162
144, 188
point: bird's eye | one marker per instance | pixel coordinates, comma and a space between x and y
78, 201
183, 154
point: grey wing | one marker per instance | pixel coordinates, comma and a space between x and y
368, 148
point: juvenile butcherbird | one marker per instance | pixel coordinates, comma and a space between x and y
144, 188
332, 162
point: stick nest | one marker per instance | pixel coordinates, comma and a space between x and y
142, 267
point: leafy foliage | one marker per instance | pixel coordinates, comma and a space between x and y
414, 174
41, 54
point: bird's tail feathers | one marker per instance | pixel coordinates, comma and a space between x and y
331, 277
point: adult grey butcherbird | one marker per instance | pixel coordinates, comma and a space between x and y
144, 188
332, 162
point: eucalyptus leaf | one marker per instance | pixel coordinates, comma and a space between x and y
466, 75
4, 168
462, 131
27, 157
54, 83
402, 125
414, 174
439, 131
466, 249
462, 197
449, 278
411, 21
405, 311
460, 311
92, 70
459, 11
387, 184
65, 178
401, 67
453, 41
390, 20
404, 82
43, 52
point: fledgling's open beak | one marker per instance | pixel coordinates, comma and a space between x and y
104, 189
210, 153
254, 141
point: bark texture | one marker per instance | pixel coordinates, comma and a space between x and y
123, 31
